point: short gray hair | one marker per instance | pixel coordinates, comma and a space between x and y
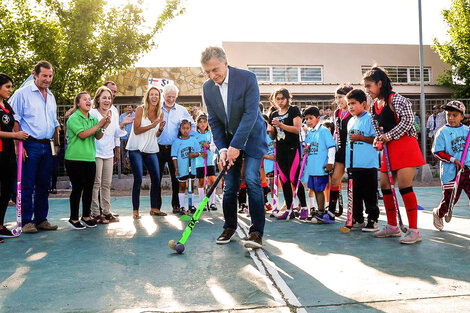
213, 52
170, 88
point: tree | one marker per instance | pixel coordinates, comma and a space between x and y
456, 52
84, 39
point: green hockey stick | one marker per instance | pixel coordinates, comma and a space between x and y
179, 246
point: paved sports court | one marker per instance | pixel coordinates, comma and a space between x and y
128, 267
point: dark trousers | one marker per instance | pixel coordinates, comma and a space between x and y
35, 181
82, 177
7, 180
164, 156
254, 189
365, 193
285, 159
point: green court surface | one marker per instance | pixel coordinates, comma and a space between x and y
128, 267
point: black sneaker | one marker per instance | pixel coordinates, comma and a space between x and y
6, 233
242, 208
371, 226
176, 209
213, 207
254, 241
226, 235
76, 225
182, 211
90, 223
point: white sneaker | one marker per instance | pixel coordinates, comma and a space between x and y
437, 221
411, 237
358, 226
388, 231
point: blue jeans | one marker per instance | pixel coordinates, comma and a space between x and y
36, 178
150, 160
254, 190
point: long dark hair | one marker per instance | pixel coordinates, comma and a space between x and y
183, 122
4, 78
285, 93
376, 74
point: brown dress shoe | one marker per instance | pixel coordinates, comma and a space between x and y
226, 235
29, 228
45, 225
254, 241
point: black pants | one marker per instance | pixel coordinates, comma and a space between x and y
82, 177
365, 191
7, 181
285, 159
164, 156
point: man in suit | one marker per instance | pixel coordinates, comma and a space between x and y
231, 96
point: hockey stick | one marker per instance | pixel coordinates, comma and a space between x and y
275, 193
304, 160
179, 246
19, 225
349, 220
448, 215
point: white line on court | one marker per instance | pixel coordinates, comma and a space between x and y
276, 285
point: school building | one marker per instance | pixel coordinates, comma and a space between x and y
311, 71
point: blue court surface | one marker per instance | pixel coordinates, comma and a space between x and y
128, 267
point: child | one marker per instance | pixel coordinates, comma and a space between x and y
394, 114
341, 118
204, 137
448, 147
364, 163
321, 151
183, 150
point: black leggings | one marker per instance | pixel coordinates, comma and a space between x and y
82, 177
285, 158
7, 181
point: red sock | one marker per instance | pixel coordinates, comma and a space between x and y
411, 205
389, 207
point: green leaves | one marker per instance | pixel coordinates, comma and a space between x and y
456, 52
84, 39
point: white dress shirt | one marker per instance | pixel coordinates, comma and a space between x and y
223, 88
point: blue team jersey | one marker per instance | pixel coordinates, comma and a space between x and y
320, 140
269, 164
451, 140
201, 138
365, 155
180, 149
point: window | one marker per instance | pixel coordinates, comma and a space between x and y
287, 74
404, 75
310, 74
262, 73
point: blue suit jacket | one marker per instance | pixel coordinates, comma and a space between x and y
245, 128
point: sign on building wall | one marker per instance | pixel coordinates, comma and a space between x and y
160, 82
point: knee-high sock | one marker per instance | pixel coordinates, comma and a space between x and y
411, 206
201, 194
242, 195
334, 194
181, 196
212, 197
266, 192
389, 207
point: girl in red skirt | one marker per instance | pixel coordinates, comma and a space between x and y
394, 115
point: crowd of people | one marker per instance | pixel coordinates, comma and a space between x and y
313, 147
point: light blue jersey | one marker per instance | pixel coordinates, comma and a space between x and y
203, 138
365, 155
269, 164
451, 140
320, 140
180, 149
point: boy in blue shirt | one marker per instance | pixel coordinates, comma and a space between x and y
365, 163
321, 157
448, 147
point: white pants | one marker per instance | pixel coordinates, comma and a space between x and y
102, 186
